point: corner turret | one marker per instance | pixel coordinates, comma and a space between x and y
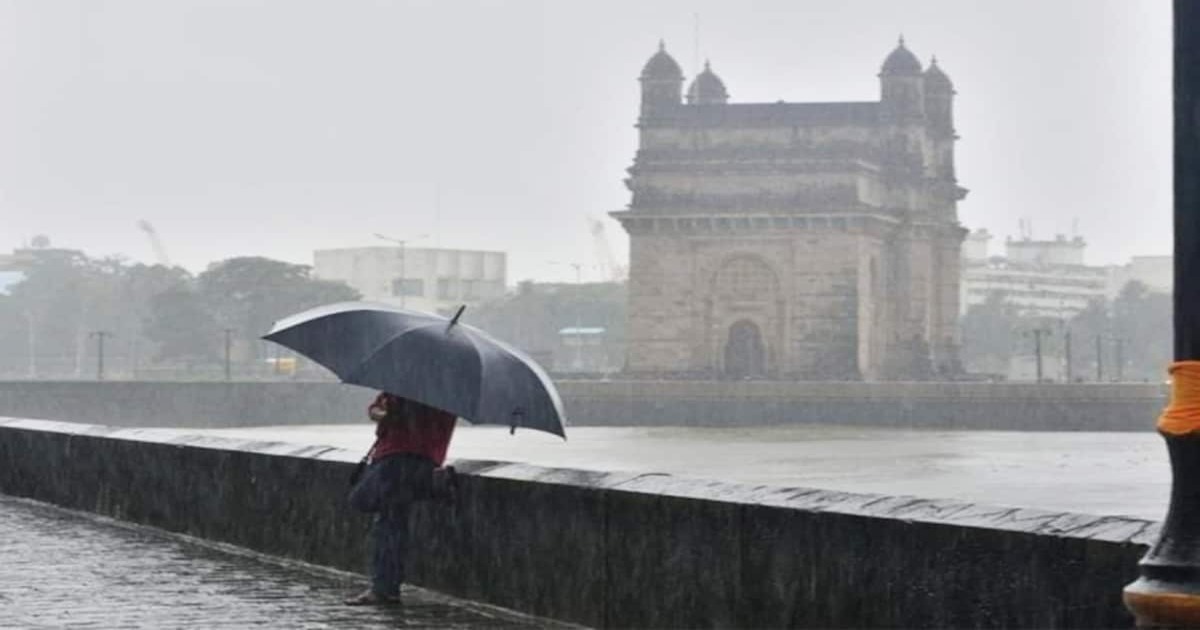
662, 83
707, 89
902, 85
939, 100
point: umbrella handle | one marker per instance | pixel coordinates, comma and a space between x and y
517, 413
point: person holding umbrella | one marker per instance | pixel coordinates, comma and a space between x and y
433, 369
411, 440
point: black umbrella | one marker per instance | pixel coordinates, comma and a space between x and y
431, 359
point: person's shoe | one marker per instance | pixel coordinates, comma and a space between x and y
371, 598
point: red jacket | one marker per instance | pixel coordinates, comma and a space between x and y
411, 428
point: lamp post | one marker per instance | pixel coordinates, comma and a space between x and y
32, 343
1167, 593
100, 336
228, 346
1067, 351
1120, 360
1037, 334
401, 243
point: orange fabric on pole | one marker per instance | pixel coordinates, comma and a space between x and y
1182, 415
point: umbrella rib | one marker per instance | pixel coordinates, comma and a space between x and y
482, 368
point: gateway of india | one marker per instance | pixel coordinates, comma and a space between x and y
794, 241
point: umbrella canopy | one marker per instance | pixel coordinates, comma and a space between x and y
427, 358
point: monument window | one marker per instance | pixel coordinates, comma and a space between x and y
745, 279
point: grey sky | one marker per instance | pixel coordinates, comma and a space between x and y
275, 128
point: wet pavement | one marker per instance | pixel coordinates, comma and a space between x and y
1087, 472
64, 569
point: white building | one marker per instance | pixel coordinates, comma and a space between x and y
8, 279
1042, 278
582, 349
423, 279
1048, 279
1156, 272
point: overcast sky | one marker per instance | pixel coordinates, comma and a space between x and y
275, 128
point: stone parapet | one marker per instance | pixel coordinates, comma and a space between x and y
612, 549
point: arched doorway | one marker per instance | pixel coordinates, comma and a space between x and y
744, 356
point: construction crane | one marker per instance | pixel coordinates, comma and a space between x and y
610, 270
160, 252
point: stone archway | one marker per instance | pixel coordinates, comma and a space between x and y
745, 356
745, 318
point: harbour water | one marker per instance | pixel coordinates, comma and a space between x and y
1087, 472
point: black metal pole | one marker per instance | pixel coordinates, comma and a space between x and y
228, 343
1067, 351
1037, 349
1099, 359
100, 335
1168, 592
1120, 359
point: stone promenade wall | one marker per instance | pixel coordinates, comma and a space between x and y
1085, 407
612, 549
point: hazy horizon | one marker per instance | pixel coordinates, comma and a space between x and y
276, 128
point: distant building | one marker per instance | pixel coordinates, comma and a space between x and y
14, 266
1156, 272
423, 279
1049, 278
583, 349
1042, 278
8, 279
794, 240
566, 327
39, 250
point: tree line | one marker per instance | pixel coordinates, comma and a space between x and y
157, 320
149, 319
1126, 338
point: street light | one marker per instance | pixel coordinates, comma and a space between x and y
100, 336
1167, 593
401, 243
228, 354
1037, 335
32, 343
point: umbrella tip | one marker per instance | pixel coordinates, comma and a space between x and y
454, 320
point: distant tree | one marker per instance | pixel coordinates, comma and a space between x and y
58, 296
249, 294
1142, 324
152, 312
531, 317
183, 328
1088, 325
990, 332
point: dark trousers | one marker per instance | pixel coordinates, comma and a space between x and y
388, 489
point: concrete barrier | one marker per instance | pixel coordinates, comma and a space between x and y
1027, 407
612, 550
